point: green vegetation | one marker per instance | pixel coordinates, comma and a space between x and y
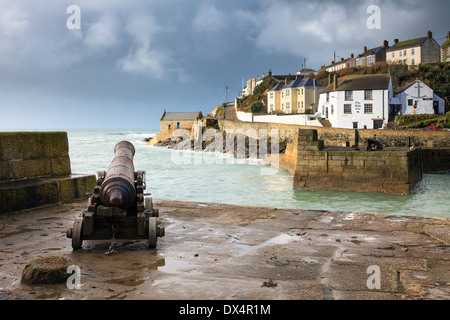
434, 75
256, 102
423, 120
256, 107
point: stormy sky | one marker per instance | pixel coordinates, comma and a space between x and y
130, 60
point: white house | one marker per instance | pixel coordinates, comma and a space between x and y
356, 101
418, 98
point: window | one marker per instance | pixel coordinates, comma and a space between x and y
271, 95
413, 62
410, 102
271, 107
348, 95
302, 91
347, 108
368, 95
404, 53
355, 125
302, 104
332, 109
393, 54
368, 108
413, 51
298, 105
400, 53
370, 60
358, 62
288, 93
328, 97
288, 105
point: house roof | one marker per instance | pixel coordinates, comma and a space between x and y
407, 44
361, 82
298, 83
409, 85
182, 116
446, 43
371, 52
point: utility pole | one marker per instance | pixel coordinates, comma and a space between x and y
334, 61
226, 94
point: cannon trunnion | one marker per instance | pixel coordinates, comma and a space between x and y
117, 209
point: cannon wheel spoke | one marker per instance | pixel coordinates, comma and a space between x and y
152, 237
77, 235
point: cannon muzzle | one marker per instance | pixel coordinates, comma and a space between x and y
118, 189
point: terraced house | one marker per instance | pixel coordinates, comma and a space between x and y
371, 56
445, 50
297, 96
414, 52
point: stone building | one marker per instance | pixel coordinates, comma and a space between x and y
445, 50
171, 121
414, 52
371, 56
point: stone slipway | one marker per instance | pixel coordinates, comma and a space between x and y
217, 251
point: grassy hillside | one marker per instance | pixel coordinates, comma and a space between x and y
435, 75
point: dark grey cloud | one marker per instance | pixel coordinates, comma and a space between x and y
143, 56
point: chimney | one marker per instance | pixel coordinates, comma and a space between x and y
332, 62
285, 80
365, 49
352, 56
336, 76
448, 35
342, 59
395, 41
429, 34
385, 43
270, 72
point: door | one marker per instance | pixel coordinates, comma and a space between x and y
436, 107
377, 124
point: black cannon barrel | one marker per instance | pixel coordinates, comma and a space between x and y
117, 190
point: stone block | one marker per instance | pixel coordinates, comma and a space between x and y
29, 168
307, 135
60, 165
10, 146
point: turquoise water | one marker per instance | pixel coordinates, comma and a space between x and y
215, 178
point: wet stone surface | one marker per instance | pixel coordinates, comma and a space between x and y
216, 251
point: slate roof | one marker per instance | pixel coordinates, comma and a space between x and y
407, 44
361, 82
371, 52
298, 83
182, 116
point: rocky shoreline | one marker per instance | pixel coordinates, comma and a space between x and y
241, 146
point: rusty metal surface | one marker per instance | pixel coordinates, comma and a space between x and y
117, 190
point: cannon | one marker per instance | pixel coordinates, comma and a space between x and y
117, 208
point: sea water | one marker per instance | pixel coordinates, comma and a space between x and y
217, 178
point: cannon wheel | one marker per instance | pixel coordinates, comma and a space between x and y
152, 237
77, 239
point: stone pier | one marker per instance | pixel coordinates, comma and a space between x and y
314, 166
35, 170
